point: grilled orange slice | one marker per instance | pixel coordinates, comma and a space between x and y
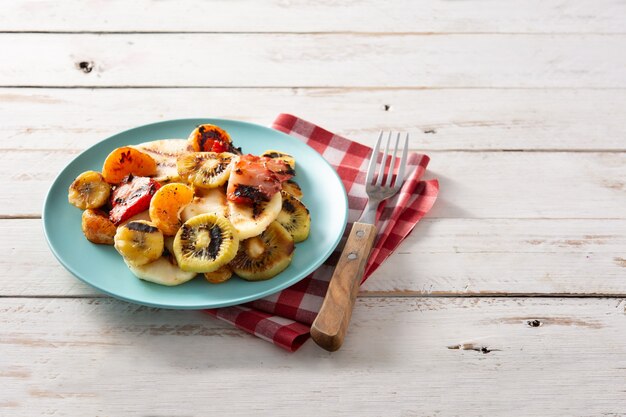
166, 205
126, 160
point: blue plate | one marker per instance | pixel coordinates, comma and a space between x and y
102, 267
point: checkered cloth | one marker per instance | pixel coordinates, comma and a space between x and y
285, 318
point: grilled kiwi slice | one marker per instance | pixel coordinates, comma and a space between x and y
264, 256
282, 156
295, 217
293, 188
205, 242
89, 191
205, 169
139, 242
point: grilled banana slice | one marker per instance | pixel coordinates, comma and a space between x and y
205, 243
206, 201
165, 152
252, 220
295, 217
89, 191
166, 205
97, 227
139, 242
293, 188
205, 169
221, 275
264, 256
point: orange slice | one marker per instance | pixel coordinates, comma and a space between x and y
166, 205
126, 160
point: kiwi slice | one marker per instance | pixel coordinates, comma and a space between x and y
295, 217
293, 188
205, 169
282, 156
264, 256
205, 242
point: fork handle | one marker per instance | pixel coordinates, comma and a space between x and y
330, 325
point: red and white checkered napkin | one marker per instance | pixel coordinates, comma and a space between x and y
285, 318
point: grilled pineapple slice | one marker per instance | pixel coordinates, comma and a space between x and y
263, 257
139, 242
252, 220
89, 191
165, 152
205, 243
163, 271
206, 201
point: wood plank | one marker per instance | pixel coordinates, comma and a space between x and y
314, 60
473, 184
464, 119
440, 257
401, 358
322, 16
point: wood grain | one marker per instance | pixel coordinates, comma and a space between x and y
477, 185
568, 16
441, 257
314, 60
403, 357
442, 119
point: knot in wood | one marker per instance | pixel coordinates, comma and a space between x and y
85, 66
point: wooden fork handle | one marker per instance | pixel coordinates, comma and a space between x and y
330, 326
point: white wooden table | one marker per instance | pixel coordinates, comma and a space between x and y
507, 300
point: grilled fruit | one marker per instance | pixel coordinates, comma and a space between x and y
166, 205
132, 197
205, 243
263, 257
97, 227
282, 156
89, 190
294, 217
165, 152
254, 179
125, 161
251, 220
139, 242
163, 271
209, 138
221, 275
293, 188
205, 169
206, 201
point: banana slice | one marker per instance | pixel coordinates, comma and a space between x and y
205, 169
294, 217
205, 243
264, 256
162, 271
252, 220
221, 275
97, 227
165, 152
89, 191
139, 242
206, 201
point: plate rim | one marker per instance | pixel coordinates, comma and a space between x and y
240, 300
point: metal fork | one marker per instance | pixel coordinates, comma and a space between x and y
331, 324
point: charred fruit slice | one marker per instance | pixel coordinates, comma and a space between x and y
288, 159
209, 138
251, 220
139, 242
166, 206
89, 191
294, 217
163, 271
293, 188
264, 256
125, 161
206, 201
254, 179
165, 152
205, 169
97, 227
205, 243
221, 275
132, 197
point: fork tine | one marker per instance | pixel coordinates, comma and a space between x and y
383, 162
372, 166
400, 177
393, 162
